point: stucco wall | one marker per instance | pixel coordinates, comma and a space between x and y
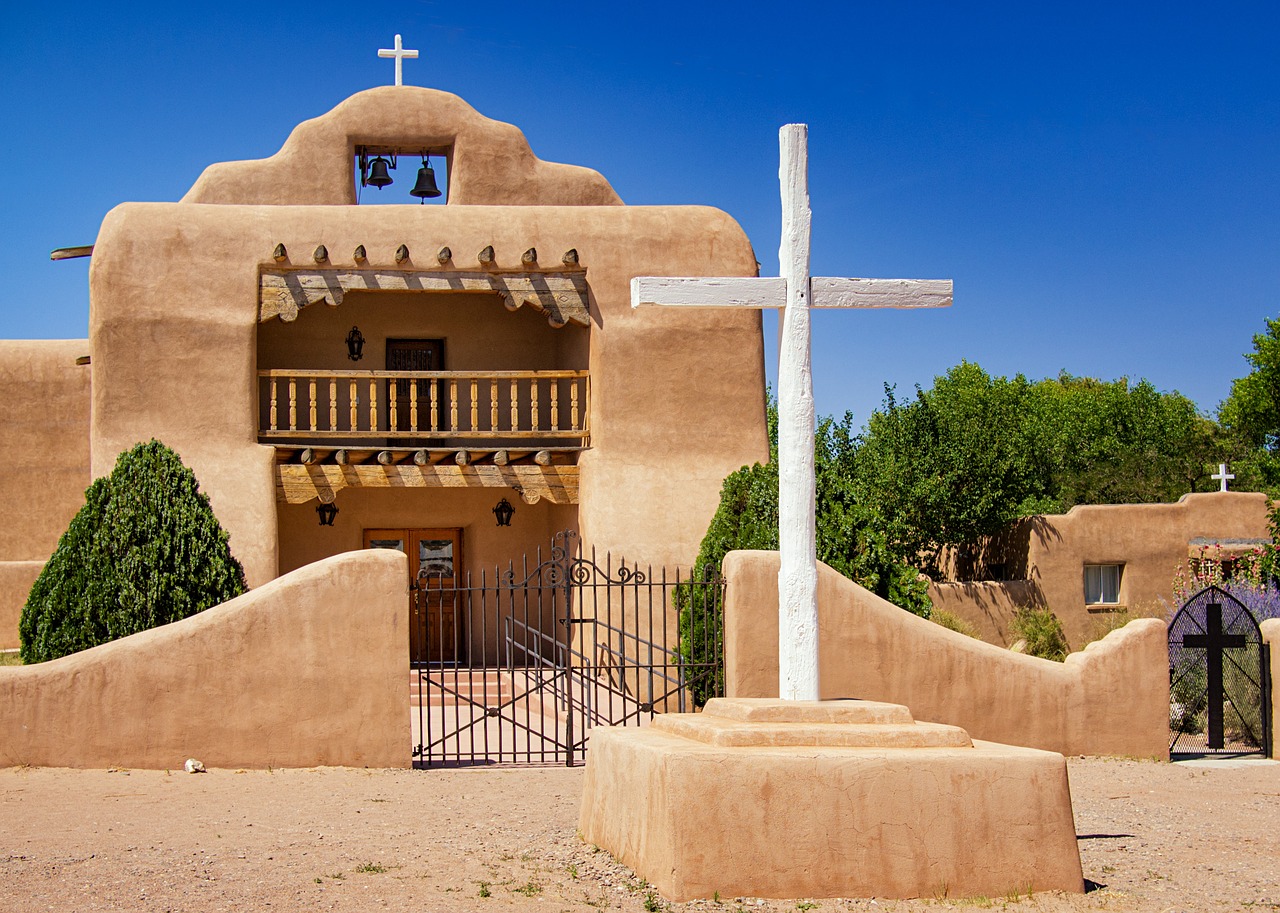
16, 578
1111, 699
44, 411
1271, 635
307, 670
1150, 540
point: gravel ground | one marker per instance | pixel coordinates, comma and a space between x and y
1153, 837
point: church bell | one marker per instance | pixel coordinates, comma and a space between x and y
426, 186
378, 175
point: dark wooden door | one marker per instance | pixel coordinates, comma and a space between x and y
435, 559
413, 355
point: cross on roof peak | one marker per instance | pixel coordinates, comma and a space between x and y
1222, 476
399, 53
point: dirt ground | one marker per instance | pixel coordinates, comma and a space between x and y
1153, 837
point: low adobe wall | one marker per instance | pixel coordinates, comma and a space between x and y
1271, 635
307, 670
988, 605
1111, 699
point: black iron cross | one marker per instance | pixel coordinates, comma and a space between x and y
1213, 642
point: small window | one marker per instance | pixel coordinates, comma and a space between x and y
1102, 584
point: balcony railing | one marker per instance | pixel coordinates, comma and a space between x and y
442, 406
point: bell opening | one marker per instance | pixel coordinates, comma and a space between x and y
375, 167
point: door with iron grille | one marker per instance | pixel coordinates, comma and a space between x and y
1219, 682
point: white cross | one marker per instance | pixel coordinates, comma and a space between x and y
399, 54
1222, 475
794, 293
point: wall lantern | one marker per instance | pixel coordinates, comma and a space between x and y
327, 511
503, 511
355, 344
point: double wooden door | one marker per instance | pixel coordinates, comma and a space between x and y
435, 560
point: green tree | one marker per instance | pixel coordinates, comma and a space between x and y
144, 550
1250, 415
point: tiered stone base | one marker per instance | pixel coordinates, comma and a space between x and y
791, 799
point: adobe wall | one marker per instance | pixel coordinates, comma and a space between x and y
1271, 635
1111, 699
305, 671
1150, 540
677, 397
44, 411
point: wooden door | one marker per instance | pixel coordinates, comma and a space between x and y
435, 606
413, 355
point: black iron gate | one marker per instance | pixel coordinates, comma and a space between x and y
1219, 682
517, 668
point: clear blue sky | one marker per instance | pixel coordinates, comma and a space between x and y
1101, 180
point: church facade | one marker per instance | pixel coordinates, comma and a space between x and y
460, 381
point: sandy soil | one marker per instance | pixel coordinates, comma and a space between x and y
1153, 837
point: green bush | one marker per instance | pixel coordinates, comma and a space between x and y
953, 622
144, 550
1041, 632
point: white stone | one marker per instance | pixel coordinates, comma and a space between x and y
192, 766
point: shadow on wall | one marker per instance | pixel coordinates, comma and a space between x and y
1112, 698
1004, 556
994, 602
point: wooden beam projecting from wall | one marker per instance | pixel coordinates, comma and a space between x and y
298, 483
561, 296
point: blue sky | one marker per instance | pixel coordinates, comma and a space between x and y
1100, 180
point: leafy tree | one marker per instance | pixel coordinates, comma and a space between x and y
1251, 416
144, 550
848, 540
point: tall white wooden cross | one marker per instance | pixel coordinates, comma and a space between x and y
399, 53
794, 292
1222, 475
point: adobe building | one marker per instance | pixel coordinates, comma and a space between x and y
418, 367
1095, 561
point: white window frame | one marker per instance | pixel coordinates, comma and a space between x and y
1102, 583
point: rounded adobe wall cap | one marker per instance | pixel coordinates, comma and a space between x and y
490, 162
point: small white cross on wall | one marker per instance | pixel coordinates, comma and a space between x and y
399, 53
794, 292
1222, 476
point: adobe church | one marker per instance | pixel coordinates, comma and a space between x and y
458, 381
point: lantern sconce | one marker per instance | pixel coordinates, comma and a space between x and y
355, 344
503, 511
327, 510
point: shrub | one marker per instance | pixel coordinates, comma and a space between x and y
1041, 632
953, 622
144, 550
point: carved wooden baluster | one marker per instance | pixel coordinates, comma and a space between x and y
413, 405
533, 404
393, 393
475, 405
453, 405
311, 392
373, 404
273, 404
573, 403
555, 404
333, 404
293, 404
515, 404
435, 407
493, 404
355, 405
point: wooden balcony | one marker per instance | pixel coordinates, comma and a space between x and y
446, 429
